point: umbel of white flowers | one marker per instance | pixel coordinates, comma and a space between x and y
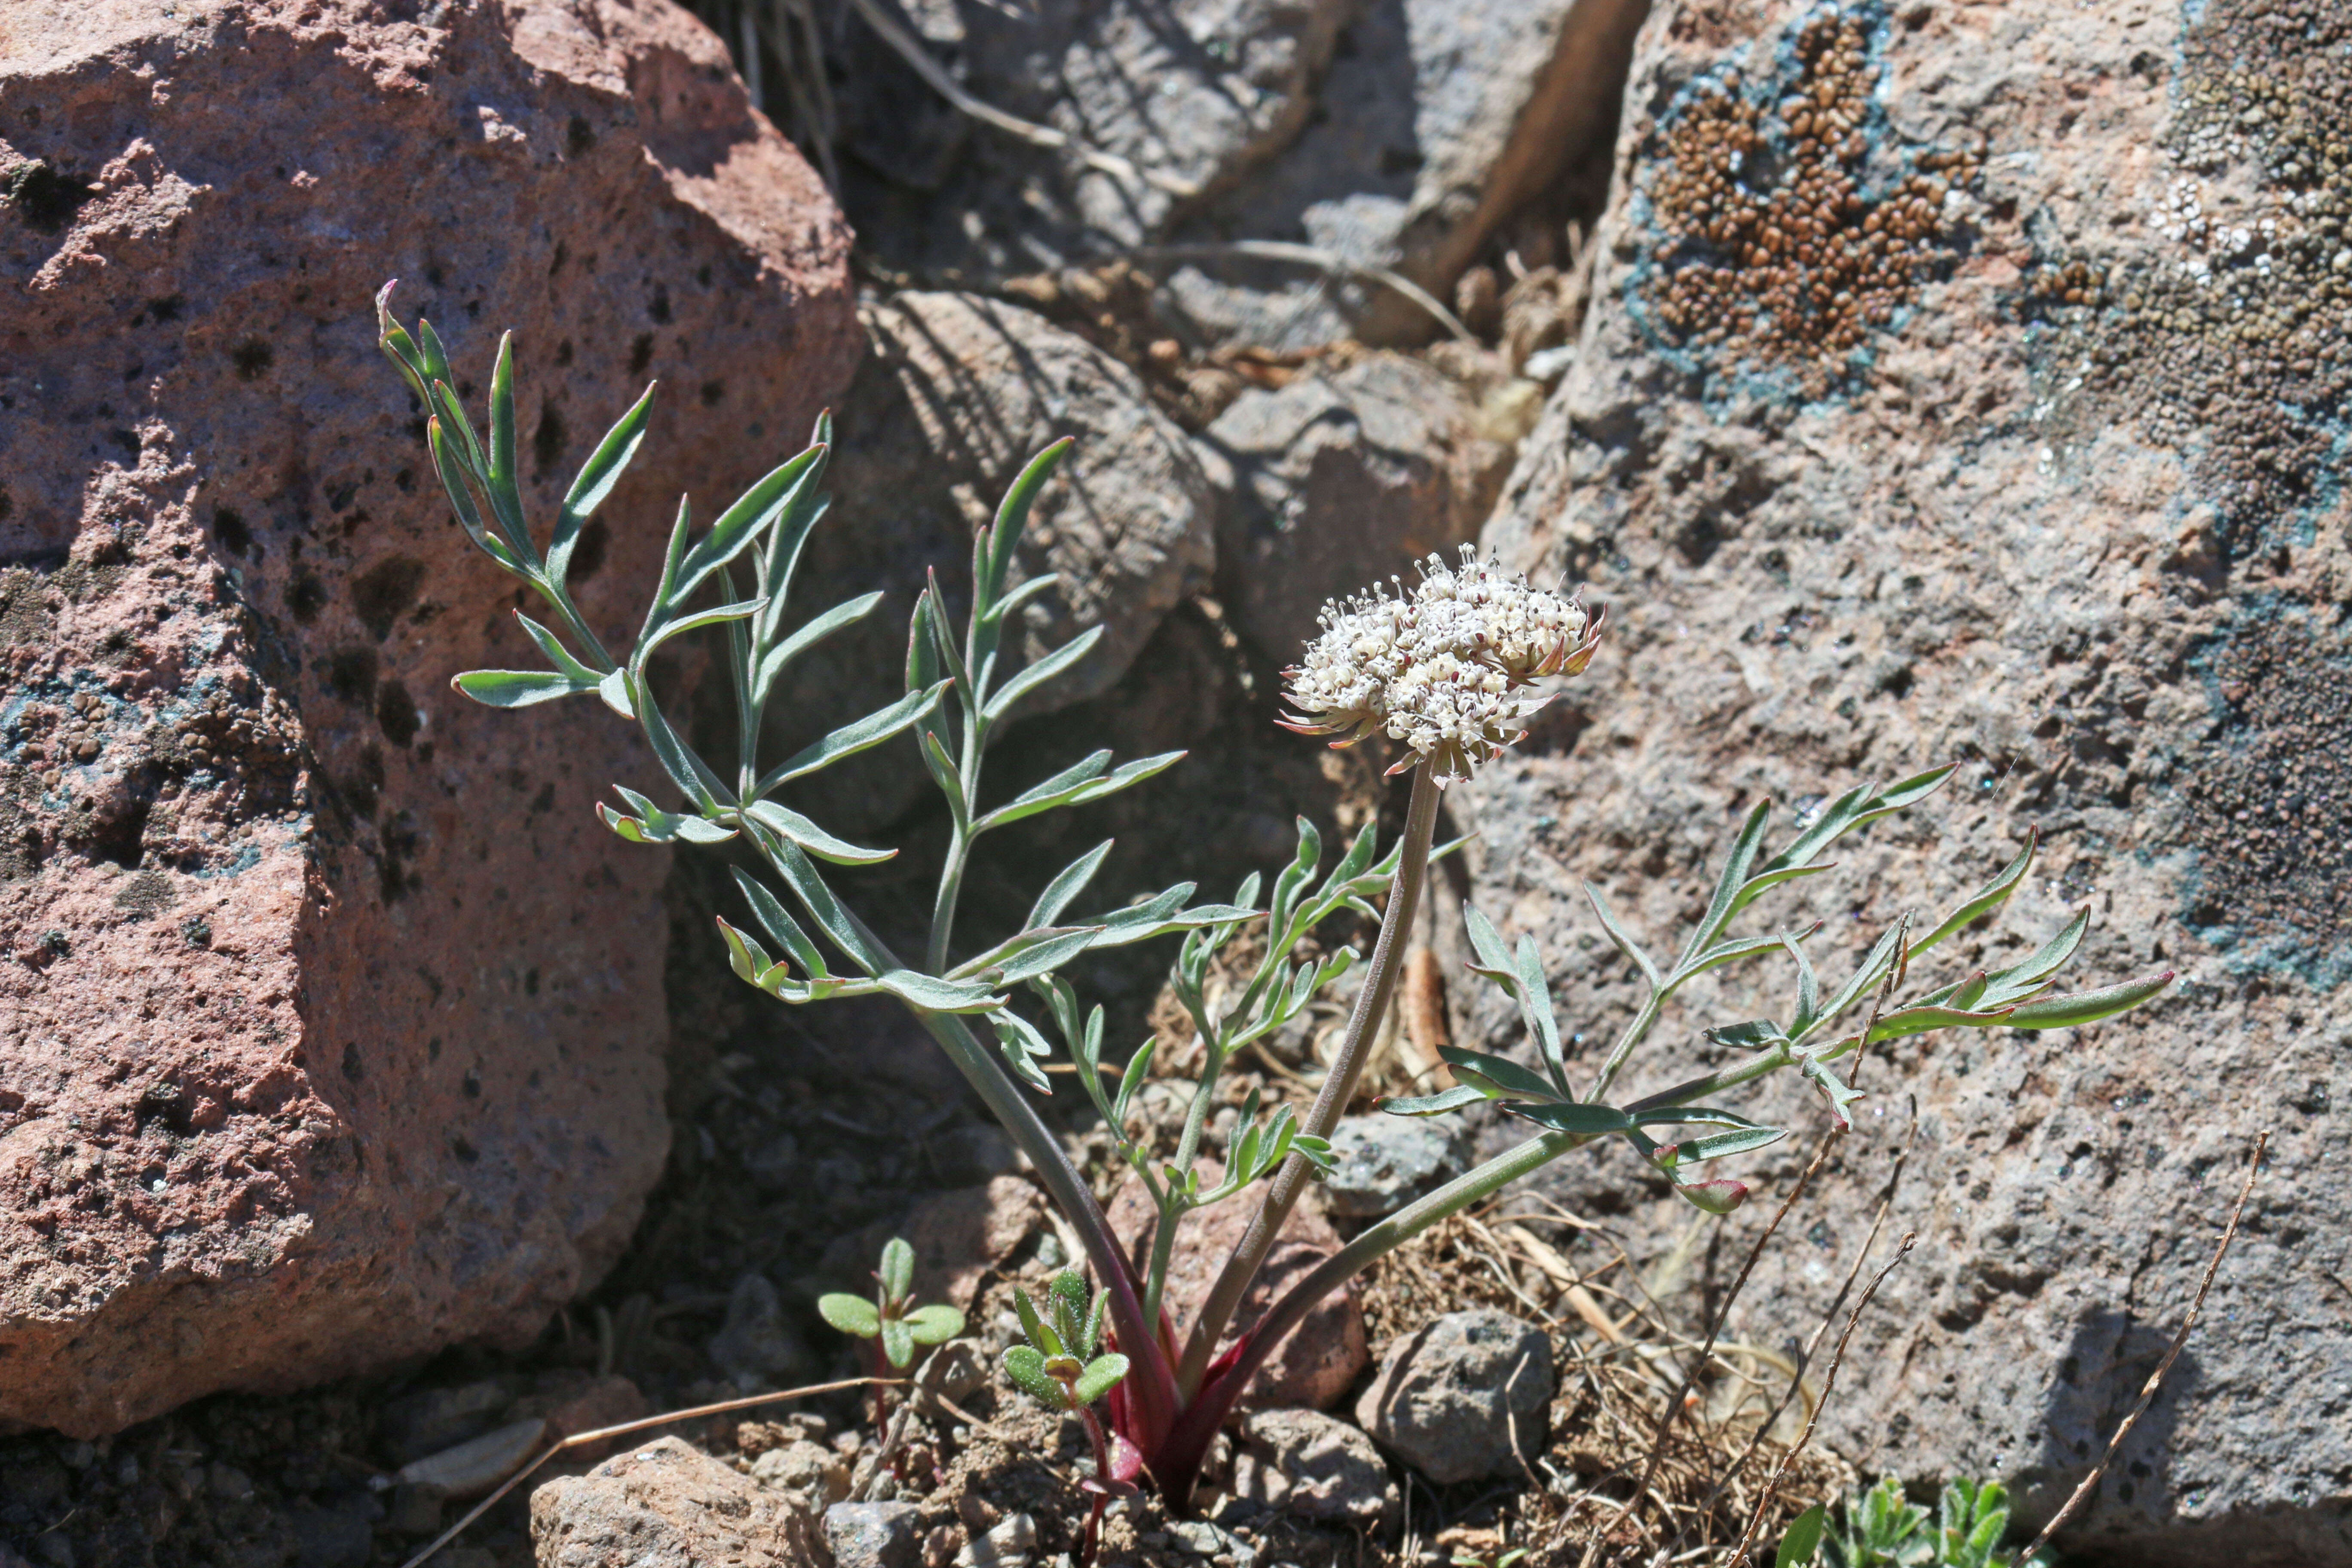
1449, 668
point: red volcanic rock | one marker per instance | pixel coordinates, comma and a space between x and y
331, 1021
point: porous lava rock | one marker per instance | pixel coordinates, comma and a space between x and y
1966, 385
1345, 475
330, 1022
667, 1504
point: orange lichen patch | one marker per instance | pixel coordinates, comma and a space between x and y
1773, 245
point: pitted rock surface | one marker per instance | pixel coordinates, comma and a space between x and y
2057, 499
310, 1060
667, 1504
1344, 476
1462, 1397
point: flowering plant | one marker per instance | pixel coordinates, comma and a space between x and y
1450, 670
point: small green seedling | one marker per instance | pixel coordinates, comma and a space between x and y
1882, 1528
891, 1320
1059, 1369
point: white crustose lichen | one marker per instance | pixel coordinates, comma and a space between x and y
1448, 668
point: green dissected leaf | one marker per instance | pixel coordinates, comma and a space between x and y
595, 480
1043, 957
1986, 898
1017, 597
1726, 899
1695, 1116
1716, 1145
1808, 990
851, 738
681, 625
897, 1273
506, 492
783, 819
461, 497
1102, 1374
933, 994
2086, 1007
943, 773
1905, 1021
924, 668
898, 1342
618, 693
1862, 804
1024, 1048
686, 770
850, 1314
747, 958
1013, 517
1833, 1088
673, 558
1026, 1367
652, 824
1506, 1075
555, 652
1882, 957
1734, 948
1007, 697
1294, 877
1759, 1034
519, 687
934, 1325
1436, 1104
2019, 981
1353, 865
1067, 885
1585, 1120
777, 659
1142, 922
1054, 792
778, 920
808, 885
1625, 945
1138, 1066
738, 527
1494, 956
1535, 1007
1803, 1539
804, 504
1033, 1324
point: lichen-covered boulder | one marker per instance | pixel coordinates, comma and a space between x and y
1966, 384
330, 1022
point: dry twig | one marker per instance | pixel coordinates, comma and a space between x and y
581, 1439
1828, 1385
2155, 1378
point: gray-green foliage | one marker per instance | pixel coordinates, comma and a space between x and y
1882, 1528
959, 691
890, 1318
1062, 1366
1811, 1039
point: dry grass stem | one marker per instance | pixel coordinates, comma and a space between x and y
604, 1434
2155, 1378
1829, 1387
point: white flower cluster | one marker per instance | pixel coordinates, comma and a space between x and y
1446, 668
